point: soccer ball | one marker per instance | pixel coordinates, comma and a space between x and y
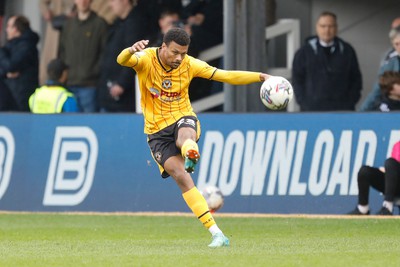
276, 92
214, 198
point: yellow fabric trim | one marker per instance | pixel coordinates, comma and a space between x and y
189, 144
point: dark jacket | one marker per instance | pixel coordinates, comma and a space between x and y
326, 79
385, 104
21, 55
210, 32
122, 34
81, 46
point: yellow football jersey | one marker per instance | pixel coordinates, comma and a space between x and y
164, 93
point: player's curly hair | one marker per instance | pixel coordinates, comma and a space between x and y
177, 35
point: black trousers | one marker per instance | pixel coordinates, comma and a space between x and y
387, 182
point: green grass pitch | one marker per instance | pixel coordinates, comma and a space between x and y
125, 240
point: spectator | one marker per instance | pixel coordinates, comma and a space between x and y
53, 97
389, 83
153, 10
385, 179
393, 64
392, 51
116, 86
19, 65
103, 9
54, 12
326, 74
168, 19
204, 24
81, 46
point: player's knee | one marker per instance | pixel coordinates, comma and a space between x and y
183, 180
178, 175
186, 133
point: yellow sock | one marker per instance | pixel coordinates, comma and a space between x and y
196, 202
187, 145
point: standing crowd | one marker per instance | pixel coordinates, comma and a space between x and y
83, 39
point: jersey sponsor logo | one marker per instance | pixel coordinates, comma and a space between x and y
7, 151
154, 92
288, 163
72, 166
170, 96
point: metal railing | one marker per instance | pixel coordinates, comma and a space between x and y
288, 27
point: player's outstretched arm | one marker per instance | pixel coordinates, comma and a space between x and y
126, 59
238, 77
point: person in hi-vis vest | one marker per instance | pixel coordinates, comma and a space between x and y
53, 97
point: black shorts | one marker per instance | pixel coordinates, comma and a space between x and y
163, 143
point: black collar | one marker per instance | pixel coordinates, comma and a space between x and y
159, 60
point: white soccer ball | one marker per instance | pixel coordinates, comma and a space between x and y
276, 92
214, 198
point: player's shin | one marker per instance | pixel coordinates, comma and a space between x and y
196, 202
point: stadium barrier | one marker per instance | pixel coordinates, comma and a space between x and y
263, 163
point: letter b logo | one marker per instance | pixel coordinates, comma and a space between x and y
7, 150
72, 166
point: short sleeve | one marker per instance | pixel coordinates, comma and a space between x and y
201, 68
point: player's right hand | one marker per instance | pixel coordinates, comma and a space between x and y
138, 46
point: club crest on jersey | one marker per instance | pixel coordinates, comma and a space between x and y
154, 92
157, 155
166, 84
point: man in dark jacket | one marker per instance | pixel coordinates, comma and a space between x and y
116, 86
19, 65
81, 45
326, 75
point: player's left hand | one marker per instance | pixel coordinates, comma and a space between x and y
264, 76
138, 46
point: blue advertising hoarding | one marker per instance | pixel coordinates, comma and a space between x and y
263, 163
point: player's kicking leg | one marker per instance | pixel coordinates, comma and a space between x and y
195, 200
188, 131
